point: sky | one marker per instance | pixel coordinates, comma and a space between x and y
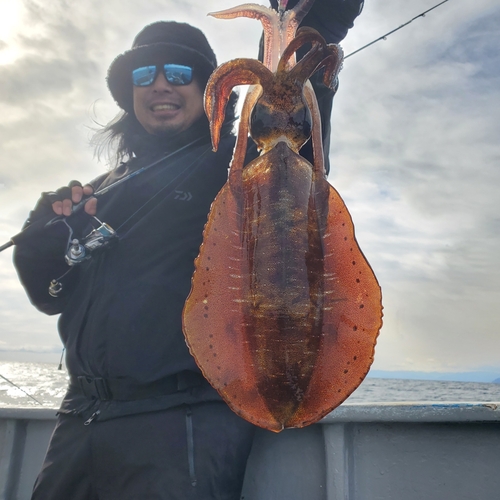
415, 154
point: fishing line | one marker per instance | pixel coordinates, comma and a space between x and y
384, 37
55, 285
165, 187
182, 172
21, 389
133, 174
61, 360
76, 208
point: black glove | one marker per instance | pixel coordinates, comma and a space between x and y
44, 221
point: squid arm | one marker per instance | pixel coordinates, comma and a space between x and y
252, 72
317, 143
240, 148
221, 83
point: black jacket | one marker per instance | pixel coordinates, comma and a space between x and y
332, 18
121, 310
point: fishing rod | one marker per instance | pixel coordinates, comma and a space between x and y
384, 37
41, 224
21, 389
44, 223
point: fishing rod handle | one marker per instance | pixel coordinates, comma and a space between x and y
77, 207
6, 245
33, 229
39, 225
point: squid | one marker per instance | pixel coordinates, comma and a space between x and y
284, 309
279, 26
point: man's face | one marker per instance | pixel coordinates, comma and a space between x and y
163, 109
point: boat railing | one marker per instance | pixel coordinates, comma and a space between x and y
378, 451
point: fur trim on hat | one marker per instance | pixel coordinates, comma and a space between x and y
159, 43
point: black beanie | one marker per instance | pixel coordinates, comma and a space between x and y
163, 41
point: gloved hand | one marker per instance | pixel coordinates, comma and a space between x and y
61, 201
58, 203
42, 244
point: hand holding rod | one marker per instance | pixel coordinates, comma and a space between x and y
41, 224
44, 222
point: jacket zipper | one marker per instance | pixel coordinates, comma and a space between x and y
92, 417
190, 445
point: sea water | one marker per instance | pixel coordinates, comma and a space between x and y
43, 385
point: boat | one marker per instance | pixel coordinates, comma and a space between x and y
377, 451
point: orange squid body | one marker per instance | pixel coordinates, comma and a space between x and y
284, 309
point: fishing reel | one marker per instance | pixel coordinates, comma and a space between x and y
98, 239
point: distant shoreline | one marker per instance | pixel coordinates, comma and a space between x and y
475, 376
31, 357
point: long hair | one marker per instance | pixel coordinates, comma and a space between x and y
115, 141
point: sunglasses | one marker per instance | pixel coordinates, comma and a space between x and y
176, 74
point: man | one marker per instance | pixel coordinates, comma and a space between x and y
139, 420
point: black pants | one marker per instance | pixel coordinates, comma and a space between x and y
196, 452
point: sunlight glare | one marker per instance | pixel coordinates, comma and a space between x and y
10, 16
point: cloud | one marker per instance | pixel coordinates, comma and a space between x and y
416, 158
415, 154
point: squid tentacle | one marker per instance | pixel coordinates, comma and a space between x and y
279, 27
